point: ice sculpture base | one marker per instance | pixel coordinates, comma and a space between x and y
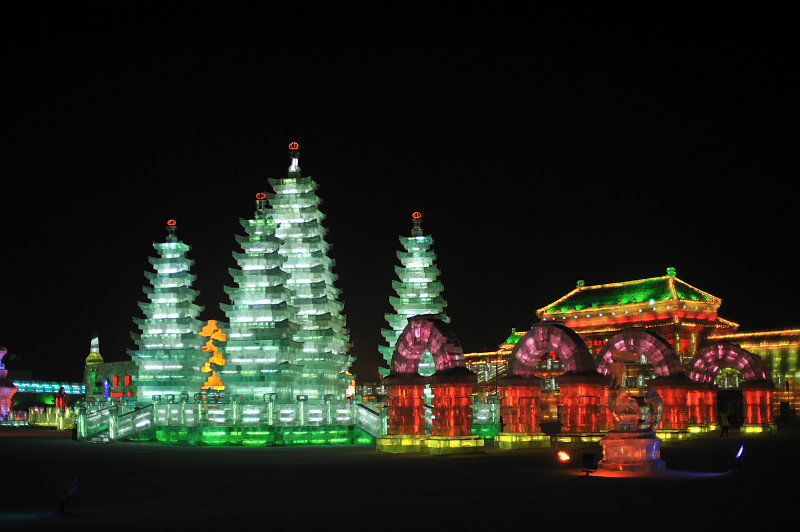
673, 435
438, 445
576, 439
753, 429
399, 443
521, 440
701, 429
633, 452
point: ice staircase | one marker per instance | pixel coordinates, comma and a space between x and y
370, 421
103, 426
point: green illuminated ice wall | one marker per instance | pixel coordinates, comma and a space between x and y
169, 355
418, 290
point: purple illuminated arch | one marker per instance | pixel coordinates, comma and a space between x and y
709, 360
641, 341
546, 337
429, 332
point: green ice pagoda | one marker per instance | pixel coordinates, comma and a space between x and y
169, 355
321, 325
260, 352
418, 290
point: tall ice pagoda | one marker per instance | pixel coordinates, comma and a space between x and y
169, 357
322, 332
260, 351
418, 290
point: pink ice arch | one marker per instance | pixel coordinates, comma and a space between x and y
429, 332
709, 360
639, 340
546, 337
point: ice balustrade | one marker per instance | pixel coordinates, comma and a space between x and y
373, 423
120, 421
50, 416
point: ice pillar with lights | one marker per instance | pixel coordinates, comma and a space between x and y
405, 409
169, 355
418, 290
322, 333
584, 399
519, 408
261, 356
675, 394
756, 399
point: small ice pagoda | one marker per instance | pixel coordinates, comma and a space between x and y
418, 289
169, 357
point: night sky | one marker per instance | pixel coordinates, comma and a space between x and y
539, 149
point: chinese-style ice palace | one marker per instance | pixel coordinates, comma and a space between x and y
274, 371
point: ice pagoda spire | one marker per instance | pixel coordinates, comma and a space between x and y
169, 357
323, 334
418, 291
294, 158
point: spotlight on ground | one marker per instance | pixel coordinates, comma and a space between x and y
564, 458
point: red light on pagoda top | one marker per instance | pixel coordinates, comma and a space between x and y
260, 195
171, 222
416, 215
293, 145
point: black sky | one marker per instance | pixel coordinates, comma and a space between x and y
540, 150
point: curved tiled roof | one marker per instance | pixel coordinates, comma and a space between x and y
667, 287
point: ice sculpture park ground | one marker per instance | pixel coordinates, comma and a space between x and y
139, 486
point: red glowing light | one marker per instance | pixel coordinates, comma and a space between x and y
563, 456
416, 215
260, 195
293, 145
172, 222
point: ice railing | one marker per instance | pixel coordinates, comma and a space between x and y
487, 372
123, 421
51, 417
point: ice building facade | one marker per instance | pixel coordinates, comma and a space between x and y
169, 355
418, 292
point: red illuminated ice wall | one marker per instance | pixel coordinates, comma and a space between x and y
756, 398
405, 409
584, 406
452, 410
520, 409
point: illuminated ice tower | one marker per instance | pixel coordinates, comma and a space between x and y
322, 332
169, 356
418, 292
260, 352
